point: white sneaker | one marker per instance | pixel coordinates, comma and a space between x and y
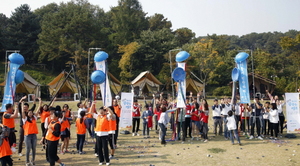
107, 163
100, 163
259, 137
96, 154
205, 140
244, 133
133, 134
251, 137
137, 134
20, 154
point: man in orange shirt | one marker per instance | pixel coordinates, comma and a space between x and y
5, 151
8, 120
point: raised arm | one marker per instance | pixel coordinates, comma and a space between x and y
269, 94
39, 107
23, 112
15, 115
52, 102
113, 116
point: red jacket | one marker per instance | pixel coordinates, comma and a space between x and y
136, 112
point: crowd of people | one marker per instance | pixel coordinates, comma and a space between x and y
229, 118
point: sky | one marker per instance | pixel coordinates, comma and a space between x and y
230, 17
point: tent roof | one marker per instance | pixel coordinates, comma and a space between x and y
27, 78
113, 78
56, 79
57, 82
146, 75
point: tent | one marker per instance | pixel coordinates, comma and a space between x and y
193, 86
66, 88
28, 86
144, 83
115, 84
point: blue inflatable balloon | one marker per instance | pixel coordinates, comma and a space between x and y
182, 56
98, 77
240, 57
235, 74
19, 78
16, 58
100, 56
178, 74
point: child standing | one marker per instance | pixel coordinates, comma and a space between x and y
231, 125
162, 122
146, 116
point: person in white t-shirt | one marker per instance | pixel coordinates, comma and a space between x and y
232, 128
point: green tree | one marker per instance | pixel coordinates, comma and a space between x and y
205, 59
126, 62
22, 32
154, 45
184, 35
128, 21
292, 46
68, 33
3, 25
158, 21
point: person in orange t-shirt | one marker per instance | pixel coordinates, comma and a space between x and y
5, 151
8, 120
65, 133
81, 125
117, 108
30, 131
45, 113
52, 137
101, 129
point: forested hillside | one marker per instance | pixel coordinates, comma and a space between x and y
57, 35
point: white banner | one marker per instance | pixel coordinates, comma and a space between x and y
180, 99
293, 112
104, 87
126, 113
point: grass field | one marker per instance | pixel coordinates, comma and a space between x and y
139, 151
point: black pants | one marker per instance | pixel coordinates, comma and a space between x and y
6, 160
135, 122
266, 129
188, 124
103, 148
243, 125
281, 123
111, 139
43, 131
21, 139
145, 127
52, 152
96, 144
117, 131
237, 120
258, 125
12, 137
183, 129
274, 127
80, 142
